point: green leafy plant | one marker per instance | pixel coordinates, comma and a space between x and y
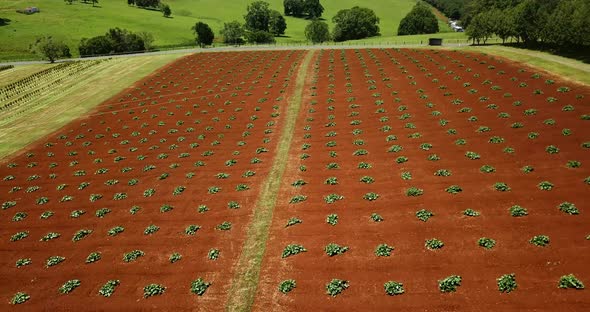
297, 199
108, 288
376, 217
433, 244
424, 215
213, 254
133, 255
472, 155
292, 249
81, 234
454, 189
570, 281
569, 208
573, 164
371, 196
336, 286
383, 250
298, 183
333, 249
394, 288
414, 191
224, 226
332, 198
501, 187
540, 240
19, 235
102, 212
486, 242
527, 169
470, 212
199, 286
449, 284
287, 285
545, 186
23, 262
292, 221
507, 283
442, 173
93, 257
50, 236
69, 286
20, 298
54, 260
518, 211
551, 149
175, 257
153, 290
151, 229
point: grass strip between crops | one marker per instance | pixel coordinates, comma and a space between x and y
62, 104
245, 281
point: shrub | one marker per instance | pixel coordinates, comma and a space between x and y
383, 250
414, 191
199, 286
545, 186
540, 240
424, 215
153, 290
108, 288
570, 281
287, 285
507, 283
335, 249
393, 288
133, 255
19, 298
470, 212
433, 244
454, 189
336, 286
292, 249
93, 257
569, 208
449, 284
69, 286
501, 186
486, 243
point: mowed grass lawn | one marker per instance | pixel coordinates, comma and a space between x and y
73, 22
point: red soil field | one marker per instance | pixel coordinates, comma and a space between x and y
204, 115
201, 135
375, 99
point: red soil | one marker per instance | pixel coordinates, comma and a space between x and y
537, 269
197, 95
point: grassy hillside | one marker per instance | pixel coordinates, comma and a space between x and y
73, 22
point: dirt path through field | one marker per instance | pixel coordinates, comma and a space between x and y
243, 289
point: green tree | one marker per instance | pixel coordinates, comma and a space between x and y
257, 16
233, 32
293, 7
50, 49
165, 8
313, 8
277, 23
481, 28
355, 23
420, 20
259, 36
503, 23
204, 34
148, 40
317, 32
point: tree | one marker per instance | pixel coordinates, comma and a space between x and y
277, 23
148, 40
313, 8
50, 49
165, 8
480, 28
317, 31
503, 23
204, 34
355, 23
259, 36
116, 40
257, 16
293, 7
99, 45
232, 32
420, 20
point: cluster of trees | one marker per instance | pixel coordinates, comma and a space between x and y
453, 9
152, 4
420, 20
554, 22
116, 40
303, 8
94, 2
50, 48
355, 23
262, 23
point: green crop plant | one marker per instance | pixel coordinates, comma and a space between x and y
102, 212
153, 290
108, 288
133, 255
433, 244
69, 286
23, 262
54, 260
224, 226
19, 216
424, 215
470, 212
46, 215
551, 149
297, 199
292, 249
332, 198
454, 189
199, 286
19, 235
406, 175
442, 173
49, 236
93, 257
20, 298
134, 210
213, 254
336, 286
414, 191
287, 285
401, 159
394, 288
383, 250
518, 211
472, 155
367, 179
333, 249
151, 229
545, 186
371, 196
331, 181
175, 257
395, 149
487, 169
332, 219
449, 284
527, 169
570, 281
364, 165
116, 230
507, 283
496, 140
486, 242
242, 187
298, 183
573, 164
376, 217
332, 166
501, 187
540, 240
178, 190
191, 229
81, 234
569, 208
292, 221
